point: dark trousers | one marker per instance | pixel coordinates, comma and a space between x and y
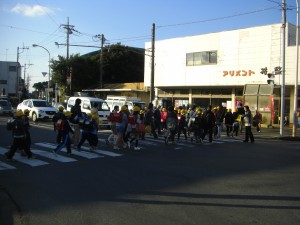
153, 130
91, 138
228, 129
249, 134
181, 130
18, 143
208, 130
28, 140
66, 142
58, 137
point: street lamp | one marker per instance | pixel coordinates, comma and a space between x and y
35, 45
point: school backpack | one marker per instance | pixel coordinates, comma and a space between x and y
131, 119
115, 117
87, 125
209, 119
60, 125
11, 124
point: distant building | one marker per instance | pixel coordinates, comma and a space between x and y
8, 78
225, 68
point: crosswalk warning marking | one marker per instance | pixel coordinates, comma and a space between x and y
25, 160
5, 166
88, 155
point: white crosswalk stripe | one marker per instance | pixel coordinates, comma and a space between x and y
50, 155
45, 153
5, 166
83, 154
22, 159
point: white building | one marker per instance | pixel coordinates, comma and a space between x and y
8, 78
225, 67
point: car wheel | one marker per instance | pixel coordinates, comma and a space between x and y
34, 117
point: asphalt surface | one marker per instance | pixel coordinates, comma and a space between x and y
9, 207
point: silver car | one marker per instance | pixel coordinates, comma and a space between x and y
38, 109
6, 108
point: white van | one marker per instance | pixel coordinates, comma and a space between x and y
123, 100
87, 103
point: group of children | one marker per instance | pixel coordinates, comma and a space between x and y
128, 127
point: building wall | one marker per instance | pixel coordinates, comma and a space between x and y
241, 55
8, 78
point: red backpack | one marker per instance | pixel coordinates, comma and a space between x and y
60, 124
131, 119
115, 117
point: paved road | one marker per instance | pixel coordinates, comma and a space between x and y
227, 182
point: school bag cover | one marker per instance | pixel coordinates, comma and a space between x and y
60, 124
11, 124
115, 117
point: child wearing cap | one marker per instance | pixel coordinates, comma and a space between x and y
19, 137
65, 130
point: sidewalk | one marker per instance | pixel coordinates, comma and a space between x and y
274, 132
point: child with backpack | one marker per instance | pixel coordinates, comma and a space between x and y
56, 117
182, 124
89, 131
17, 127
135, 124
63, 126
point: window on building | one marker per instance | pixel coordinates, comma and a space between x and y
3, 81
12, 68
201, 58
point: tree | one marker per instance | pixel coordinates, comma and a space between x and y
120, 64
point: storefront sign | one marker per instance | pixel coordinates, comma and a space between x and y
238, 73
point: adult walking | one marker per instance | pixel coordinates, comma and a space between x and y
257, 120
149, 119
248, 123
209, 120
76, 114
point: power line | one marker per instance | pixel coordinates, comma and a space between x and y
47, 13
218, 18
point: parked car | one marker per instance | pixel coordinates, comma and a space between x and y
6, 107
39, 109
87, 103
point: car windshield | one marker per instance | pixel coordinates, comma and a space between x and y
4, 103
101, 106
40, 104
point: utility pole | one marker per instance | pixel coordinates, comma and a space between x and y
69, 29
283, 27
17, 72
152, 64
102, 39
25, 68
295, 122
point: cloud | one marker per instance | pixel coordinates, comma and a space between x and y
32, 11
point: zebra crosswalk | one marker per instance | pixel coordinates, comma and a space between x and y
44, 156
149, 142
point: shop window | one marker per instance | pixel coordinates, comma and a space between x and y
201, 58
239, 92
251, 89
265, 89
12, 68
189, 59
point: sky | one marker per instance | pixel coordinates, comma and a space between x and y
129, 22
